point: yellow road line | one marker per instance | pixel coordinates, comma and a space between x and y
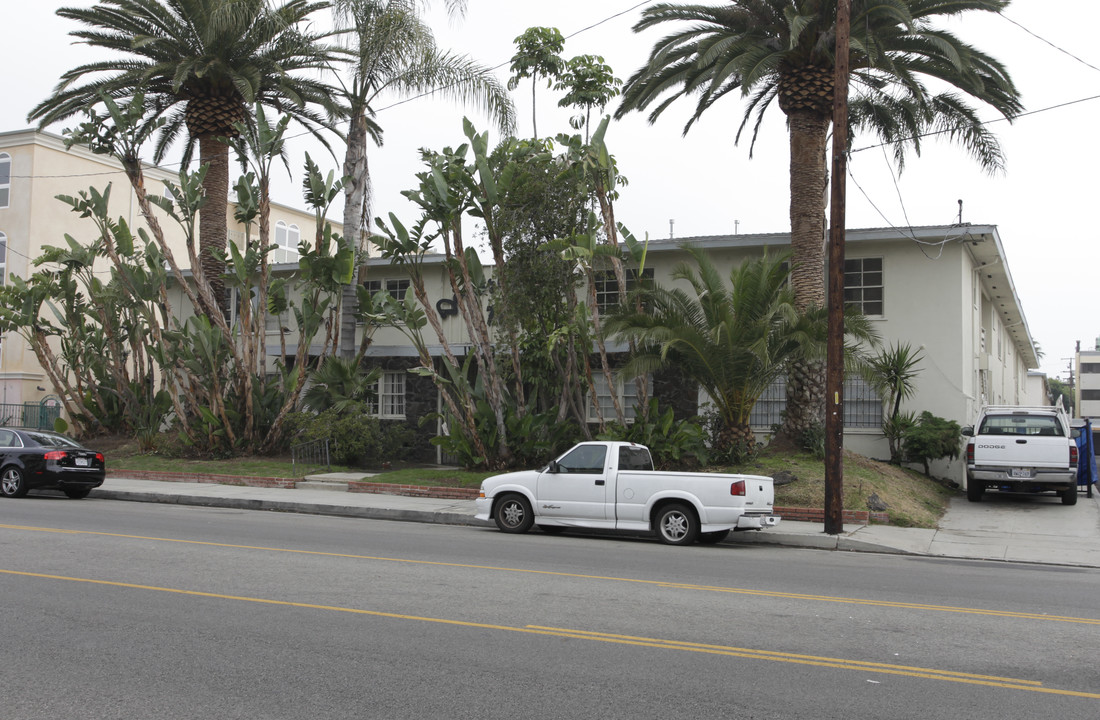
656, 643
658, 583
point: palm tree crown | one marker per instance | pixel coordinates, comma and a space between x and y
201, 64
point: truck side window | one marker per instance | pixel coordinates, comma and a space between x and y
634, 459
584, 459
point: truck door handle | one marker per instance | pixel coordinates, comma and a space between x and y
599, 482
1021, 442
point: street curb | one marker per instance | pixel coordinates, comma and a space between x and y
334, 510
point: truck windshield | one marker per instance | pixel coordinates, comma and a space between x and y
1047, 425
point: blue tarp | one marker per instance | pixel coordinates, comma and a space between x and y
1086, 456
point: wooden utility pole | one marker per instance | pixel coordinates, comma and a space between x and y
834, 352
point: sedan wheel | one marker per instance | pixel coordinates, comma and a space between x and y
12, 483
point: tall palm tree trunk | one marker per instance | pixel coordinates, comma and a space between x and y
356, 216
808, 184
212, 218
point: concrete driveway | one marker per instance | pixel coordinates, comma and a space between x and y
1027, 528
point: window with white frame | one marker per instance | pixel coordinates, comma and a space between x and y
389, 400
607, 289
863, 285
626, 390
287, 238
5, 179
396, 287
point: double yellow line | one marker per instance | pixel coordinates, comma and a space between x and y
636, 641
658, 583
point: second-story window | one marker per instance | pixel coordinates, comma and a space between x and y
863, 285
607, 289
5, 179
287, 238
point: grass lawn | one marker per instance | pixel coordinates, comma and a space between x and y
912, 500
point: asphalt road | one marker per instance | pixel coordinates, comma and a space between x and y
122, 610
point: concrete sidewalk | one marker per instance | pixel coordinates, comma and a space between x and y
1001, 527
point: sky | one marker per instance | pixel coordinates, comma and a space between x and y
705, 184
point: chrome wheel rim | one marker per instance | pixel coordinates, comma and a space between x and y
511, 513
10, 482
674, 526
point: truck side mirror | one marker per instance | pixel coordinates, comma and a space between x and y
553, 467
968, 431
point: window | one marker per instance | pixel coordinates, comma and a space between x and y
769, 408
862, 405
287, 238
1090, 394
863, 284
396, 287
634, 458
389, 401
1086, 368
625, 389
1020, 424
5, 179
607, 290
584, 459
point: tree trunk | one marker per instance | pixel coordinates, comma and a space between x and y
356, 217
808, 184
212, 217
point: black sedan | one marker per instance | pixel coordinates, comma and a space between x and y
31, 459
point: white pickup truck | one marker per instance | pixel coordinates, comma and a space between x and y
612, 486
1021, 449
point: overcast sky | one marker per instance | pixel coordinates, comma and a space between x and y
706, 185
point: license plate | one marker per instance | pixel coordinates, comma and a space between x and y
81, 462
1019, 473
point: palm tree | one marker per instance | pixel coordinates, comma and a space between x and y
538, 52
392, 50
782, 50
734, 338
201, 64
340, 384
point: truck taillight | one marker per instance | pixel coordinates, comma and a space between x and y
970, 453
1073, 455
738, 488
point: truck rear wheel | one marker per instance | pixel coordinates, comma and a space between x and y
1069, 496
676, 525
512, 514
974, 490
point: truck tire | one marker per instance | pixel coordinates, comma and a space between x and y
1069, 496
974, 490
676, 525
512, 514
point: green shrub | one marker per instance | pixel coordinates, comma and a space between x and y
355, 437
931, 438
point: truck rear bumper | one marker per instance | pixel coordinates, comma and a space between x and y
1012, 476
756, 522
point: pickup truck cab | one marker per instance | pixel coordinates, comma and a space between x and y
612, 486
1021, 449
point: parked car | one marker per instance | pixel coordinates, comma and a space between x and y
32, 459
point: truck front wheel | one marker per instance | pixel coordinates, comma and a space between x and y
512, 514
676, 525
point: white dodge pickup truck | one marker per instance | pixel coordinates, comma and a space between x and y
612, 486
1021, 449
